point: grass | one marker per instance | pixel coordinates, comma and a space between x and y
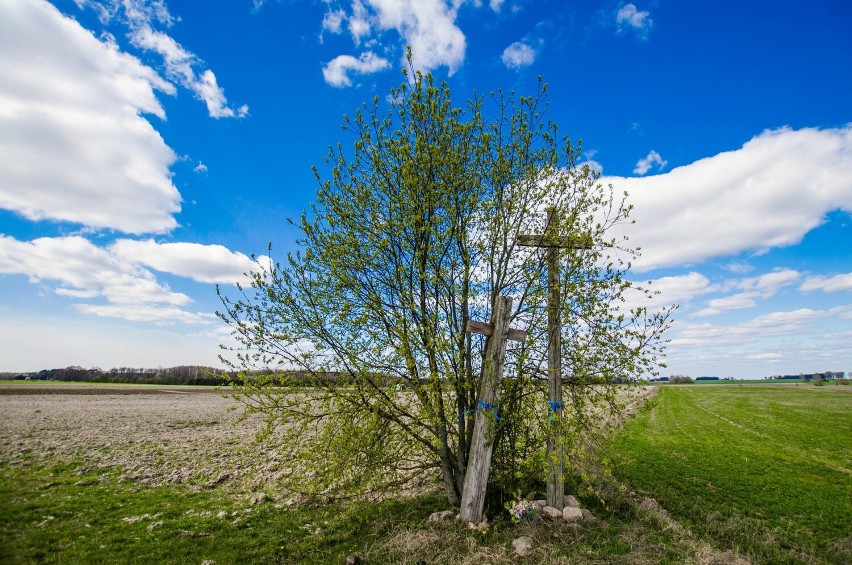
56, 515
763, 471
755, 471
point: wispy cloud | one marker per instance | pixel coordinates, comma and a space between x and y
333, 20
653, 158
181, 65
837, 283
628, 17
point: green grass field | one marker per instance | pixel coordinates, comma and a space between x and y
764, 471
760, 472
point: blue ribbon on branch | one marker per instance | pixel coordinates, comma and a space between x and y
482, 406
554, 406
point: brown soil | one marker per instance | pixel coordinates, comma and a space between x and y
153, 435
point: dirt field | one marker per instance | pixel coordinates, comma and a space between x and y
150, 434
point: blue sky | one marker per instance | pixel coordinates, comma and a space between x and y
148, 147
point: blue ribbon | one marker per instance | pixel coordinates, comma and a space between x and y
482, 406
554, 406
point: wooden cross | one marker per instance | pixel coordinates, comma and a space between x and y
485, 415
556, 456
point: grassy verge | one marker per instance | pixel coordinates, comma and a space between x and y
54, 515
764, 471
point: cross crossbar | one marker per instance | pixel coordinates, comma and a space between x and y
562, 241
487, 329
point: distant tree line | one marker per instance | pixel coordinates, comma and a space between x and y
181, 375
803, 377
826, 376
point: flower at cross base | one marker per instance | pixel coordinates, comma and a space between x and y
520, 509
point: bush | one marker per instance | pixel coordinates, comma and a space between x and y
680, 380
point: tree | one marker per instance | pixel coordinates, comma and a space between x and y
413, 234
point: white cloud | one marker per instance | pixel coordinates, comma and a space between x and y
333, 21
770, 283
202, 263
117, 275
360, 24
628, 16
84, 271
734, 302
671, 290
141, 17
496, 5
644, 165
161, 316
770, 193
428, 26
518, 55
73, 145
179, 65
836, 283
763, 287
769, 325
200, 168
336, 72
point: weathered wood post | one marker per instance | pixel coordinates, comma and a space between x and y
556, 456
486, 414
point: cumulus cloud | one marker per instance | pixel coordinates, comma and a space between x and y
428, 26
73, 143
518, 55
630, 17
84, 270
644, 165
767, 194
117, 274
837, 283
203, 263
336, 72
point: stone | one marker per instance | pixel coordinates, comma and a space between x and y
572, 514
259, 498
222, 514
481, 526
571, 501
551, 512
353, 560
441, 516
522, 545
587, 514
